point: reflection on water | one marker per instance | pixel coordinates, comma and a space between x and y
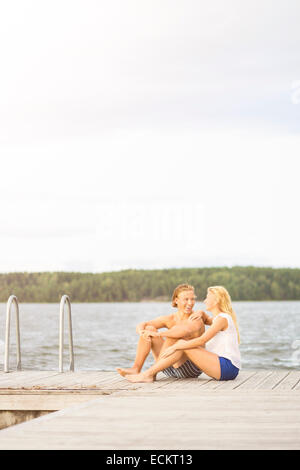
104, 334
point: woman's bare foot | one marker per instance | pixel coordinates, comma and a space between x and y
140, 378
123, 372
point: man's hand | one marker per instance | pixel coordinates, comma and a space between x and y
140, 328
146, 334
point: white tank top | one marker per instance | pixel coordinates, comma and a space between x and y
225, 343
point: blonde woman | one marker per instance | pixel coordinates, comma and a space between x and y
178, 326
215, 352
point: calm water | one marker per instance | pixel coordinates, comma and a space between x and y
104, 334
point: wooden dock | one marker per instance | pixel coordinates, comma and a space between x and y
260, 409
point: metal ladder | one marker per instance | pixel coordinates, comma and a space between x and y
65, 300
13, 300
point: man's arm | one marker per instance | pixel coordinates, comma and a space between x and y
159, 322
184, 330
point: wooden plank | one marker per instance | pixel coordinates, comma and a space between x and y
208, 384
253, 382
222, 420
23, 375
91, 379
121, 382
24, 378
181, 384
297, 386
289, 382
105, 380
105, 377
36, 392
49, 402
68, 380
161, 382
273, 380
193, 385
117, 384
31, 379
73, 379
242, 377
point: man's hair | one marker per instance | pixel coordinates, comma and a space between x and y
178, 290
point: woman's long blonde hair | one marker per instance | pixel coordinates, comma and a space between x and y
225, 305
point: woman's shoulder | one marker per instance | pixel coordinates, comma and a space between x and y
229, 319
224, 315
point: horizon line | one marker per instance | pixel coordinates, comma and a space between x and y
150, 269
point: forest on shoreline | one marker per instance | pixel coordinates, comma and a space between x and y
135, 285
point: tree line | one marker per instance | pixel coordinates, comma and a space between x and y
243, 283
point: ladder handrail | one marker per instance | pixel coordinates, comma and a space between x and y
12, 300
65, 300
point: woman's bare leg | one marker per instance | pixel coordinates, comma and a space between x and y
150, 374
144, 347
169, 342
207, 361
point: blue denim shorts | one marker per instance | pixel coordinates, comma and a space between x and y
228, 370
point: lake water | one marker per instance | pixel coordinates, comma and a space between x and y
104, 334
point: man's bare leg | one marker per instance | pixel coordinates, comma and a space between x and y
169, 342
144, 347
207, 361
150, 374
157, 345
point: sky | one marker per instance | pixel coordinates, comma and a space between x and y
147, 135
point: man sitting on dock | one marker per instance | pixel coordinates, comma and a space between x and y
179, 326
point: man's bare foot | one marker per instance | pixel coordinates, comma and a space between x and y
135, 378
123, 372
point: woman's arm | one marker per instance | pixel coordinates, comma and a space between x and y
218, 325
180, 331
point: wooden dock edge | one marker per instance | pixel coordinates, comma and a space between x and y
260, 409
